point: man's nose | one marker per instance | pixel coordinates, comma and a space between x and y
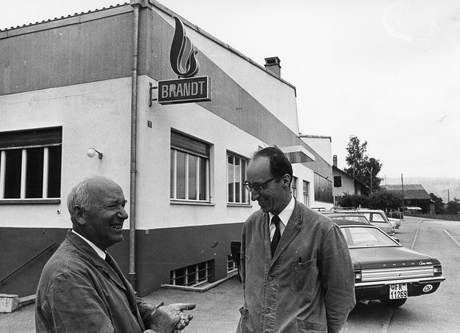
122, 214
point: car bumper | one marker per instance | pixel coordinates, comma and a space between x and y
380, 289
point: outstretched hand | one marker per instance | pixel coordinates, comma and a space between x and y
167, 318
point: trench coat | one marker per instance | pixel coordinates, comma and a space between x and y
80, 292
308, 285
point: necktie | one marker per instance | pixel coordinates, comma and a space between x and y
277, 235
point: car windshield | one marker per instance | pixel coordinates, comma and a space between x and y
356, 218
366, 237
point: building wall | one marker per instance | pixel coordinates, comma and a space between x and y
322, 145
91, 115
348, 186
276, 96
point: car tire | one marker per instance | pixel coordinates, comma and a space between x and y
393, 303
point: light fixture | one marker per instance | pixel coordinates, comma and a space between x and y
93, 151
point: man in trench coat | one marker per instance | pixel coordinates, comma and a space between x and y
296, 269
81, 288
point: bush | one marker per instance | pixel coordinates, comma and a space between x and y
378, 200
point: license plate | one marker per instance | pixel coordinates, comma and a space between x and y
398, 291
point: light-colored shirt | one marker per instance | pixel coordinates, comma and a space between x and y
99, 252
284, 216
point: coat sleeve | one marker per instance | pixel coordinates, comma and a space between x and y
146, 311
75, 306
337, 279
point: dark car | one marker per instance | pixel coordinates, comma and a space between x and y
384, 269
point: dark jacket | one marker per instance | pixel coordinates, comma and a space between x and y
80, 292
308, 285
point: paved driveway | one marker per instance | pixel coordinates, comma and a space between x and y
216, 311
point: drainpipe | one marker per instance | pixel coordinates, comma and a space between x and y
136, 4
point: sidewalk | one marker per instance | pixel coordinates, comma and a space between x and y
216, 309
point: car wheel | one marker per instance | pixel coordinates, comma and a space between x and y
394, 303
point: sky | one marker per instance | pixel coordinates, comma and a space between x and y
386, 71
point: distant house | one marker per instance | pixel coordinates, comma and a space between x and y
414, 196
344, 183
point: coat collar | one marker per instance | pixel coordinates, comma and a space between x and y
114, 272
86, 251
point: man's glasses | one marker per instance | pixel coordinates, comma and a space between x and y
257, 186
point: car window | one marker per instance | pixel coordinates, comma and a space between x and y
355, 218
366, 237
375, 217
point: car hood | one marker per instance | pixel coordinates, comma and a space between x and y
389, 257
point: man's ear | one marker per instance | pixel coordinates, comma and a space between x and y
80, 215
286, 179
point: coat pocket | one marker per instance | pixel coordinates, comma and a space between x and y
302, 275
310, 327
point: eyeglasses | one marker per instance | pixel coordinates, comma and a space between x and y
257, 186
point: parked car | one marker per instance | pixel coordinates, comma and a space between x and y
396, 222
384, 269
375, 216
349, 217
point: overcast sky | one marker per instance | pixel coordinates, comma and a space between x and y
387, 71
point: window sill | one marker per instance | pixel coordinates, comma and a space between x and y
29, 201
244, 205
191, 203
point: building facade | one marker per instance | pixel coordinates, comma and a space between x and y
88, 81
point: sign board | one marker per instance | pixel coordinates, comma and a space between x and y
187, 90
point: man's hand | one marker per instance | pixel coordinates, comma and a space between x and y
167, 318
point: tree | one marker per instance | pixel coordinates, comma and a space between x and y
352, 200
453, 206
361, 166
385, 200
438, 204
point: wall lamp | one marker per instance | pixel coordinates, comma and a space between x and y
93, 152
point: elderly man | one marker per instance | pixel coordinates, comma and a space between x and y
295, 265
81, 288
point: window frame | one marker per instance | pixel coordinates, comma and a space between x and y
306, 192
24, 141
243, 189
200, 157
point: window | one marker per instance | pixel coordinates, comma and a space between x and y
189, 176
231, 264
30, 164
337, 181
323, 189
306, 197
236, 174
294, 187
192, 275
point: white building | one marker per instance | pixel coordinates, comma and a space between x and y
81, 82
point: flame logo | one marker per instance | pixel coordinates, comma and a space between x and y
182, 57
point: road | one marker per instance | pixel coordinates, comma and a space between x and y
438, 312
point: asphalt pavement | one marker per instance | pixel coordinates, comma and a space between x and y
216, 309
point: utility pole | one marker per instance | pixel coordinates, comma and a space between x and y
448, 195
402, 190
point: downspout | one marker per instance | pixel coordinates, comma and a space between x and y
133, 158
